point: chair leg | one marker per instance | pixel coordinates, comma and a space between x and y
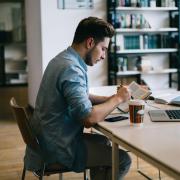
85, 174
60, 176
23, 173
41, 177
159, 174
42, 172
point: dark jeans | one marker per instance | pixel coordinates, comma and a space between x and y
99, 159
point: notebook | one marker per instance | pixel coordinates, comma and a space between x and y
165, 115
168, 98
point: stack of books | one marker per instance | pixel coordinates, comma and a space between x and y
131, 21
132, 42
149, 41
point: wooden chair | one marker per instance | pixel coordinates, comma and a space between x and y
22, 115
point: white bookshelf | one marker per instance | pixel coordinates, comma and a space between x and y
144, 35
162, 71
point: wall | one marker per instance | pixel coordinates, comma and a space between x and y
49, 31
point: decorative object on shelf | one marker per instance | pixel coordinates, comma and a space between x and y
145, 65
139, 63
122, 63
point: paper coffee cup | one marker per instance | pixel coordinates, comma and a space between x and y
136, 112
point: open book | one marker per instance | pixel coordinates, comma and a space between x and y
168, 98
137, 92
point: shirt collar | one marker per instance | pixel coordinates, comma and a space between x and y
80, 60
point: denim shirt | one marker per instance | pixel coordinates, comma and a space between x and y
61, 105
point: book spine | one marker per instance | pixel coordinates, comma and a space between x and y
127, 3
141, 42
145, 39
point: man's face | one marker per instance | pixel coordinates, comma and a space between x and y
97, 52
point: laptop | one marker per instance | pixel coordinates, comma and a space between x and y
165, 115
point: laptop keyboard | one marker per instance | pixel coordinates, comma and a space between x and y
173, 114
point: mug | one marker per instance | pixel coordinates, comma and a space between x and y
136, 112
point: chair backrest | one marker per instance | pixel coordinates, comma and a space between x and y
22, 115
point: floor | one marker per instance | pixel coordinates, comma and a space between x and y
12, 152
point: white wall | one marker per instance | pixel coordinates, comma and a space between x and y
49, 31
58, 27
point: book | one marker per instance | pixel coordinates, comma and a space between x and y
137, 92
168, 98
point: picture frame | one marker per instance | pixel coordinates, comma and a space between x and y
75, 4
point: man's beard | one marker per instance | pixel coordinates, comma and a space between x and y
88, 57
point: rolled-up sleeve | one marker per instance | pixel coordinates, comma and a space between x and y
74, 88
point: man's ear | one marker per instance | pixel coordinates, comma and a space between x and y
90, 42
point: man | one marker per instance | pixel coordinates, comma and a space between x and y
64, 107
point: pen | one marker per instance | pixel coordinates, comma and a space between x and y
119, 86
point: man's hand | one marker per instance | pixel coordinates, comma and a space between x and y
123, 93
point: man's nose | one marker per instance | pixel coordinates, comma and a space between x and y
103, 56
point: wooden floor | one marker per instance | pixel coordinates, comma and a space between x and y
12, 152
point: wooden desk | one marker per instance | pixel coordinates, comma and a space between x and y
157, 143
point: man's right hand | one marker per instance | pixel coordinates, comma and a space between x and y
123, 93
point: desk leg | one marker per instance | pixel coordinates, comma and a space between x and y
115, 161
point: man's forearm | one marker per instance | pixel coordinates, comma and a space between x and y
95, 99
100, 111
107, 105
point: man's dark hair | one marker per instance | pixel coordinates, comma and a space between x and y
93, 27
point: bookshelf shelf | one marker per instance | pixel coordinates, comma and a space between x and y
15, 71
146, 9
147, 34
146, 30
127, 73
164, 71
143, 51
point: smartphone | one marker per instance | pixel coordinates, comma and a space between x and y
116, 118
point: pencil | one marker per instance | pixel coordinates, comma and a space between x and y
119, 86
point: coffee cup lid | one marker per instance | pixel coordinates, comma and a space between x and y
136, 102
